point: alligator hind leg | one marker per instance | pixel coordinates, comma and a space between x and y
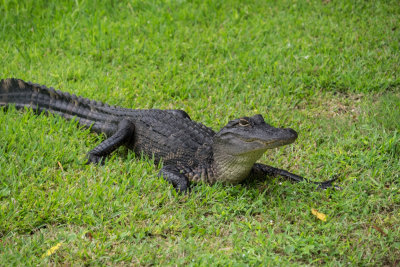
172, 175
124, 133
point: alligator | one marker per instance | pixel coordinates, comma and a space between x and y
189, 151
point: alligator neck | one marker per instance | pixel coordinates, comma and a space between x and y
233, 168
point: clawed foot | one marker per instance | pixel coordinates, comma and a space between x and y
183, 191
172, 175
95, 159
328, 184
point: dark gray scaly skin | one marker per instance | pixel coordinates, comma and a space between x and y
190, 151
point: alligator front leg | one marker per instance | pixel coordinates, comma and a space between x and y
124, 133
172, 175
263, 170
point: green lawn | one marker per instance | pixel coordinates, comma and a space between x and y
328, 69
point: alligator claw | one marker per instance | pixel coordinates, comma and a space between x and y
328, 184
95, 159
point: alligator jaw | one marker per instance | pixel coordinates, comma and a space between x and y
286, 137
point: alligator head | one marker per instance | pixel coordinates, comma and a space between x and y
251, 134
239, 144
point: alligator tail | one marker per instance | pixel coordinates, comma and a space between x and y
23, 95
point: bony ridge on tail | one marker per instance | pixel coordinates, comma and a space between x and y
190, 151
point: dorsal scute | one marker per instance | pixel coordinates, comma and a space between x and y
60, 94
37, 88
53, 93
67, 95
85, 101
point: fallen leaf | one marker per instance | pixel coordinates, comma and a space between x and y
52, 250
61, 167
89, 235
377, 228
319, 215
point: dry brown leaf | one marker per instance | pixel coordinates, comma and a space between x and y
319, 215
89, 235
377, 228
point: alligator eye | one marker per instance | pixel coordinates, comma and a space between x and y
243, 122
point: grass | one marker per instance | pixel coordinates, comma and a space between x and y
329, 69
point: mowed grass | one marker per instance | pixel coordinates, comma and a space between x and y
328, 69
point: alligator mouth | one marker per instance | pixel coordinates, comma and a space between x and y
274, 143
260, 141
